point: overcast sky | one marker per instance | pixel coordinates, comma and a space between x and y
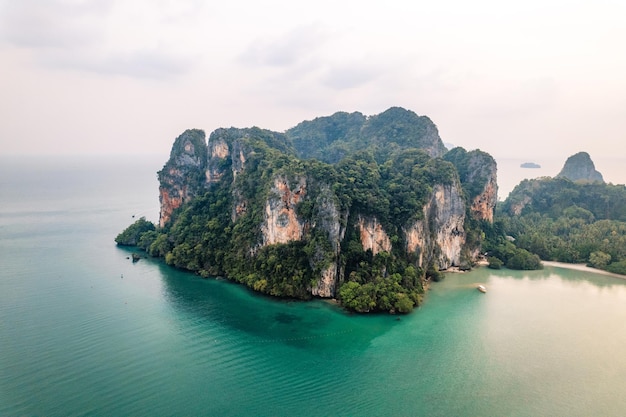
515, 79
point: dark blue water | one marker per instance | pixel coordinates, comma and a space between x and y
84, 331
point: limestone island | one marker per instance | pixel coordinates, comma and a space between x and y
530, 165
363, 209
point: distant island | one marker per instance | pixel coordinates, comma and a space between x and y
530, 165
574, 217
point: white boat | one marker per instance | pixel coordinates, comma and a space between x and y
482, 288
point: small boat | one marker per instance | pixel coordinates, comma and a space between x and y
482, 288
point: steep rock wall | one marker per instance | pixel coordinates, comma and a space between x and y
179, 179
478, 174
329, 220
281, 223
218, 151
447, 217
417, 238
172, 194
440, 236
484, 204
373, 236
482, 172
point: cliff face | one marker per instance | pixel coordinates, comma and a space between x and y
287, 226
484, 204
329, 221
478, 173
372, 235
281, 223
180, 177
447, 214
482, 173
440, 236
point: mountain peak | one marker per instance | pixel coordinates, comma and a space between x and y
580, 167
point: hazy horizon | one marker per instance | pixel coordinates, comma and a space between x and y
113, 77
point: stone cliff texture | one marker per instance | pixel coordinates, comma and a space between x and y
478, 174
329, 219
218, 151
179, 178
372, 235
281, 223
484, 204
440, 236
447, 216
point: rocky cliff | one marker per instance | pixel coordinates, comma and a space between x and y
372, 235
281, 224
478, 174
439, 237
244, 206
580, 167
179, 178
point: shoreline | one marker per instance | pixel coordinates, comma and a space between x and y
582, 267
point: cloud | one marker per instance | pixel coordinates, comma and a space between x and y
143, 63
53, 23
96, 37
351, 76
285, 50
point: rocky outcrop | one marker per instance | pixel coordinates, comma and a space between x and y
484, 204
580, 167
516, 207
180, 177
447, 217
281, 223
373, 236
439, 238
329, 220
218, 152
481, 177
478, 174
326, 285
418, 241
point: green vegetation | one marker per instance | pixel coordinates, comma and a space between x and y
332, 138
133, 233
474, 167
565, 221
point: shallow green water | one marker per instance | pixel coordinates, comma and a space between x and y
84, 331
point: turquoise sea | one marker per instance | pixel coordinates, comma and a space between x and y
86, 332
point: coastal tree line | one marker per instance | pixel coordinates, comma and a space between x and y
560, 220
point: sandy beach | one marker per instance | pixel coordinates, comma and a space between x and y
582, 267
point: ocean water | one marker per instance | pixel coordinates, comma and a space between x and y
86, 332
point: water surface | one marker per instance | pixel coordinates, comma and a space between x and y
84, 331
